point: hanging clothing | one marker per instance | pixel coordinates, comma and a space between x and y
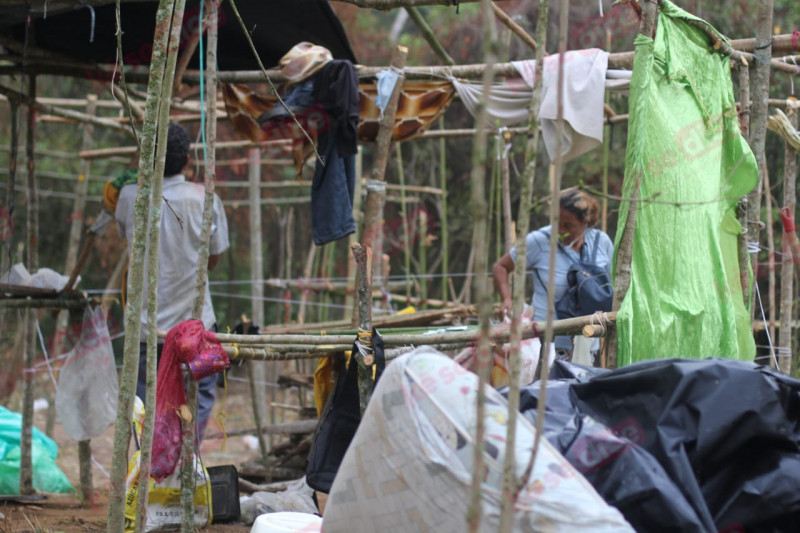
333, 186
685, 148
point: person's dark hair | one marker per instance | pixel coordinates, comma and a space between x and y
177, 149
580, 204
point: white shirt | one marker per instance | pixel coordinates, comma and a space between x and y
178, 248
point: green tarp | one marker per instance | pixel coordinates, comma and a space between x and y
686, 150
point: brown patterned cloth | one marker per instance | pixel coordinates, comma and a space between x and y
303, 61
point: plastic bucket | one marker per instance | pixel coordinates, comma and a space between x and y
287, 523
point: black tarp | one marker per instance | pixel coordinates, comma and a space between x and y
88, 36
682, 445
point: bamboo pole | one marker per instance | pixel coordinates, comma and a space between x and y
511, 485
13, 118
770, 270
373, 215
428, 35
762, 52
155, 214
787, 272
365, 359
26, 438
445, 236
358, 215
782, 44
515, 28
257, 372
508, 221
404, 213
66, 113
43, 303
130, 150
84, 447
422, 230
480, 239
133, 310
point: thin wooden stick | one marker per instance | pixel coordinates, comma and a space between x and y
772, 309
210, 173
404, 213
741, 209
371, 236
762, 52
133, 310
480, 239
515, 28
445, 230
511, 485
429, 36
188, 415
155, 214
26, 438
785, 352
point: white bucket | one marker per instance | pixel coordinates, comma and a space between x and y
287, 523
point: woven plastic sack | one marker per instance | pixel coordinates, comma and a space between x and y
686, 151
409, 467
87, 392
164, 508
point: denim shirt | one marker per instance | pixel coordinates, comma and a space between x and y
538, 265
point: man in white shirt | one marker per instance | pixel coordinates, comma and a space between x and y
181, 228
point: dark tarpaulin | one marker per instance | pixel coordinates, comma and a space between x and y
682, 445
275, 26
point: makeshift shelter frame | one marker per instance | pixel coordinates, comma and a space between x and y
462, 71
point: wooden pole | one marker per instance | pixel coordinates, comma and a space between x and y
84, 447
376, 185
358, 215
404, 213
257, 371
508, 221
188, 415
745, 268
8, 211
787, 272
480, 236
66, 113
28, 382
511, 485
365, 359
770, 271
133, 310
762, 53
422, 230
515, 28
445, 230
155, 214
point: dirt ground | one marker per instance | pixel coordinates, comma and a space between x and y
65, 513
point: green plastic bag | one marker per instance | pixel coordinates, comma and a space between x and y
47, 477
686, 151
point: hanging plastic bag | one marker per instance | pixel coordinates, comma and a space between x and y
86, 397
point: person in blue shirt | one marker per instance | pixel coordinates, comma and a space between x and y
578, 213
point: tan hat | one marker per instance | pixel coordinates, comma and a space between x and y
303, 61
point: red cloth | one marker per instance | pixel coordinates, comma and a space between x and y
190, 343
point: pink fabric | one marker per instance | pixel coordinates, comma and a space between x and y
190, 343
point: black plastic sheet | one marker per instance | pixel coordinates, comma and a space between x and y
682, 445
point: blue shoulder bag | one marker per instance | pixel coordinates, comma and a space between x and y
589, 287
